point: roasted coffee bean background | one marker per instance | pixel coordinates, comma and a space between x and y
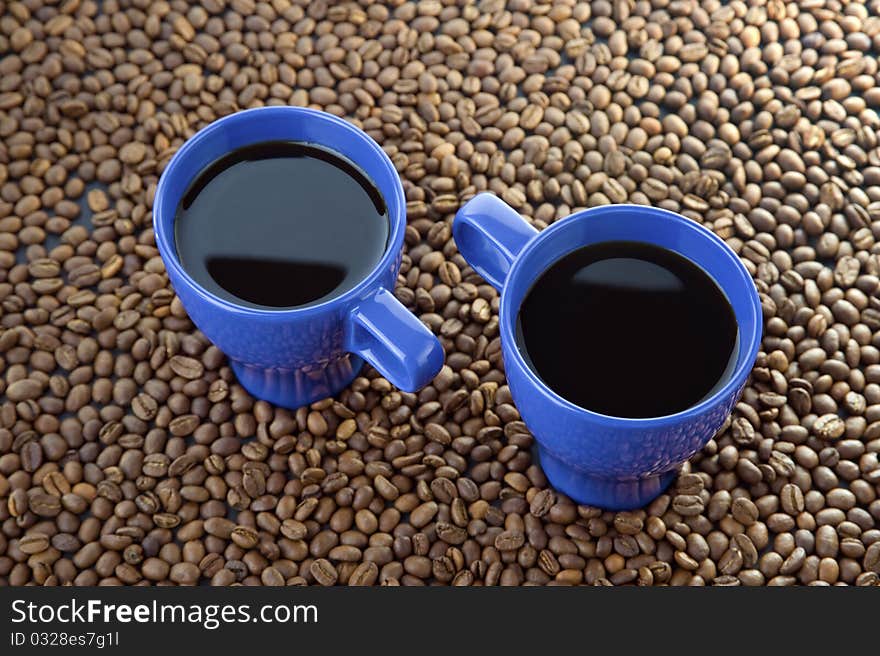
128, 453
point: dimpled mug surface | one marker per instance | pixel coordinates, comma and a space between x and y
293, 357
600, 460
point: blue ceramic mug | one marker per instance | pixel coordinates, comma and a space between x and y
293, 357
611, 462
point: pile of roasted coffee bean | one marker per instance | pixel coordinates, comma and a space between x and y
128, 453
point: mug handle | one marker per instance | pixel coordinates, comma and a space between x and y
393, 340
490, 234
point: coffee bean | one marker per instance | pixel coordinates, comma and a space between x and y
144, 407
183, 425
443, 490
542, 503
829, 427
423, 514
744, 545
25, 389
385, 488
687, 505
450, 533
155, 569
364, 574
744, 511
324, 572
731, 562
628, 524
794, 562
188, 368
509, 540
186, 573
792, 499
871, 560
166, 520
438, 433
33, 543
244, 537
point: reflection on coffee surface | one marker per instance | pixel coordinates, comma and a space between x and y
628, 329
280, 224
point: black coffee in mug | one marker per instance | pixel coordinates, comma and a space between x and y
628, 329
280, 224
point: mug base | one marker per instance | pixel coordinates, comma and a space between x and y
606, 493
294, 388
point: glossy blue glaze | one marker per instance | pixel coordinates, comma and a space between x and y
611, 462
294, 357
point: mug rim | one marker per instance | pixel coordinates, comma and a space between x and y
395, 204
741, 371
